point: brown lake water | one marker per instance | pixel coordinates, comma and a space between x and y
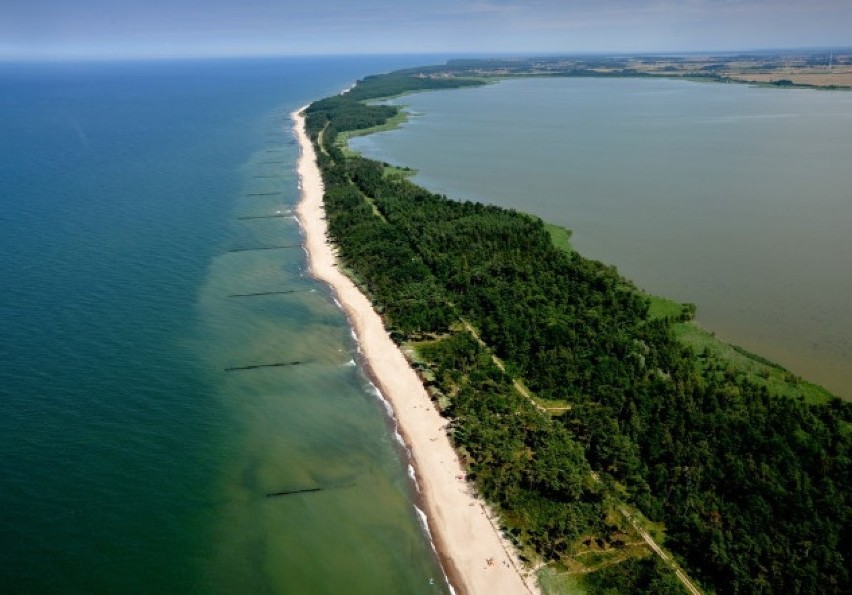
736, 198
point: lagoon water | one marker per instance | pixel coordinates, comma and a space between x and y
131, 460
738, 199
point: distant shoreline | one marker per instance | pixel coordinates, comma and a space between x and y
473, 553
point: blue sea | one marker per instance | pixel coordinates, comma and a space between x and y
149, 259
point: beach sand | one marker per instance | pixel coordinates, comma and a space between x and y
475, 556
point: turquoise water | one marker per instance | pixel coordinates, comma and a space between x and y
731, 197
131, 460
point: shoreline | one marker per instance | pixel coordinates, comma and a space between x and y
474, 556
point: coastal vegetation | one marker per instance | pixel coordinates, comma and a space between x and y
578, 402
757, 369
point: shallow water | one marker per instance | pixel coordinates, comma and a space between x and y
731, 197
131, 460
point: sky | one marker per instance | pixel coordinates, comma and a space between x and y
71, 29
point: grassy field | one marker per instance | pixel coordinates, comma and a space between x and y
400, 172
560, 583
810, 79
560, 236
342, 139
394, 122
777, 379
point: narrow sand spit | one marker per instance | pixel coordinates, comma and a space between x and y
473, 553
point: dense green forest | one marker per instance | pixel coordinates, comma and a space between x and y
753, 488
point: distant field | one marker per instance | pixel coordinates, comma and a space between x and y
778, 68
827, 78
814, 68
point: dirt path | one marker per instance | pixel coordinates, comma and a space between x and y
681, 575
499, 363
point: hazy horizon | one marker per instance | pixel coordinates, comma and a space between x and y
429, 57
98, 29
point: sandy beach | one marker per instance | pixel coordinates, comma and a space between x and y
476, 558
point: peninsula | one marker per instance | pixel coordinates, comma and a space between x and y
613, 456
